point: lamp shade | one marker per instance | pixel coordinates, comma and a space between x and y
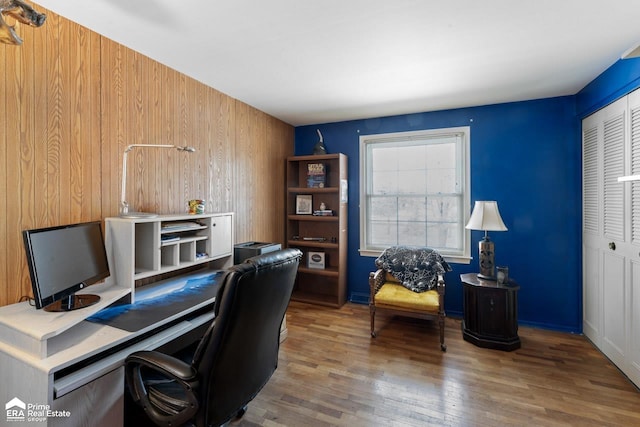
485, 216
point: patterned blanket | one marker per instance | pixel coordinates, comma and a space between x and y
417, 268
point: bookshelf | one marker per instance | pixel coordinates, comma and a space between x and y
321, 234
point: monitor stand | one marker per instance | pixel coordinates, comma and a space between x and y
73, 302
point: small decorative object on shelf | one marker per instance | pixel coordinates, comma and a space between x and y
319, 148
196, 206
316, 175
315, 239
316, 260
323, 211
304, 204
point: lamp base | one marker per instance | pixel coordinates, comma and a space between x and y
485, 277
138, 215
486, 250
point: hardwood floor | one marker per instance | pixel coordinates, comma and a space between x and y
332, 373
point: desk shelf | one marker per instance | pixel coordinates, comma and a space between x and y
138, 249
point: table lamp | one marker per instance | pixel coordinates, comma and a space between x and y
486, 217
124, 206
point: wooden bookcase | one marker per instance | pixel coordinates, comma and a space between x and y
323, 235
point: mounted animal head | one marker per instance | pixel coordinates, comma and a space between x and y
21, 12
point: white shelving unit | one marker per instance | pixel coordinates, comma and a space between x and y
139, 248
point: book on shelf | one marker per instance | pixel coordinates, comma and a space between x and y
316, 175
323, 212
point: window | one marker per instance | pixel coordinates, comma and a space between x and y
415, 191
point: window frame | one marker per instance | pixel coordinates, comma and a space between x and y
462, 257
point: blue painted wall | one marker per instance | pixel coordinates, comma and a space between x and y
615, 82
525, 155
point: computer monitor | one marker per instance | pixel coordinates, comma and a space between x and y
63, 260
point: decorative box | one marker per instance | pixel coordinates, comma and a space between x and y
316, 260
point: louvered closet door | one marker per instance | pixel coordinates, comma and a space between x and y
591, 228
616, 250
611, 232
632, 368
604, 242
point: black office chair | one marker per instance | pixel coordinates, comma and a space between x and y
236, 356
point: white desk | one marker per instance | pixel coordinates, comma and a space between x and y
75, 366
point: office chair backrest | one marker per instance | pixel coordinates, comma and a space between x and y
239, 352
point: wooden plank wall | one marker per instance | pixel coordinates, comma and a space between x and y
72, 100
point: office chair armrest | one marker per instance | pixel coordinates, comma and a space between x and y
164, 364
147, 389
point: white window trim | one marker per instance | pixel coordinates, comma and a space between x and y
465, 258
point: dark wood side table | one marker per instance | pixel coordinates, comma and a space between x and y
490, 313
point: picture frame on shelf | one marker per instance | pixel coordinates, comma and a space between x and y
502, 275
304, 204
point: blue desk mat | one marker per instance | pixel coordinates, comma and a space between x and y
159, 301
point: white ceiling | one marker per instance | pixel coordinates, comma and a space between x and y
311, 62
